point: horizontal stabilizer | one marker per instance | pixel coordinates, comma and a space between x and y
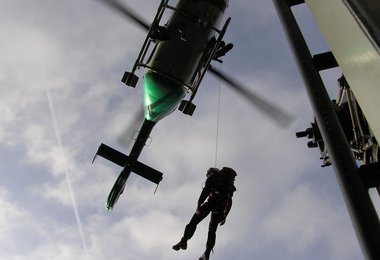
137, 167
112, 155
147, 172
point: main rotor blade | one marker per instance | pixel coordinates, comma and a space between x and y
277, 114
274, 112
126, 11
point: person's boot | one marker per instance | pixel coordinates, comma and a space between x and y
206, 255
181, 245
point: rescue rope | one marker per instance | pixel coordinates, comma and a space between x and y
217, 125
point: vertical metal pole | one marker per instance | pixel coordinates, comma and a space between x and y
361, 210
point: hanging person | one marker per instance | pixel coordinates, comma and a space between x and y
218, 191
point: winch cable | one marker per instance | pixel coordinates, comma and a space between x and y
218, 123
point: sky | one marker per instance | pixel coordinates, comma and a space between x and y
60, 68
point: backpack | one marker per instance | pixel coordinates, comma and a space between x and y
219, 183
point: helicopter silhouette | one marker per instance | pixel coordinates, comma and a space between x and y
176, 56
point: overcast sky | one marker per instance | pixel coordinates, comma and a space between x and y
61, 96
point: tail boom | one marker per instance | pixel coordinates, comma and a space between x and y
129, 163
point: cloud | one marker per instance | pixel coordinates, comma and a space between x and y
11, 217
78, 51
17, 225
298, 219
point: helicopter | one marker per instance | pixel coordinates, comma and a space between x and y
176, 55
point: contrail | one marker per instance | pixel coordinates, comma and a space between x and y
62, 156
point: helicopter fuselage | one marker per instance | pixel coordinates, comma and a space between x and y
183, 49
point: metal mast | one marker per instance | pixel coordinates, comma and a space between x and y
355, 192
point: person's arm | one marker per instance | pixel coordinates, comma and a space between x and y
204, 194
228, 207
229, 202
226, 211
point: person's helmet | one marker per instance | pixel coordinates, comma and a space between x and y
228, 172
211, 171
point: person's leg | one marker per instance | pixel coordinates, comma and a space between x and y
190, 228
216, 218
